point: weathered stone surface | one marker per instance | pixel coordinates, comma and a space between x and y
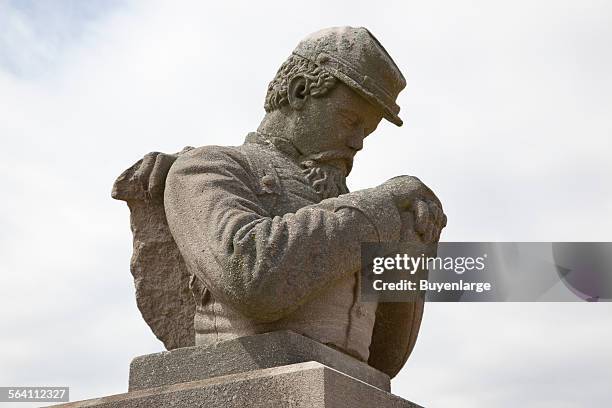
245, 354
266, 235
303, 385
160, 275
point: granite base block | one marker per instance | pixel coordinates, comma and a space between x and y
245, 354
309, 384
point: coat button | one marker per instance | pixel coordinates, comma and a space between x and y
268, 181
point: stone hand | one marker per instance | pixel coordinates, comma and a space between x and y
152, 171
146, 179
419, 207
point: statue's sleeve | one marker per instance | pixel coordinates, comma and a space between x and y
261, 265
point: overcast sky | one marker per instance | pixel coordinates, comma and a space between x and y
507, 117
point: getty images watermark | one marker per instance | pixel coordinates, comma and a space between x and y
487, 271
412, 264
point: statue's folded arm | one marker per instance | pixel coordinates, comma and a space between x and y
264, 266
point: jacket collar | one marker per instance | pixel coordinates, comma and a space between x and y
282, 145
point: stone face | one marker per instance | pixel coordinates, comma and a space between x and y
266, 235
245, 354
303, 385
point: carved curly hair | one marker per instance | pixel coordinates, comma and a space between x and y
318, 81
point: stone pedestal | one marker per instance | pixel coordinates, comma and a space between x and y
280, 369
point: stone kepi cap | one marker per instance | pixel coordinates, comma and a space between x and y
355, 57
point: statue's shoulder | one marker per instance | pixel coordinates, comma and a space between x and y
214, 152
210, 158
248, 157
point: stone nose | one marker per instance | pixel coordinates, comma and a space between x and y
355, 142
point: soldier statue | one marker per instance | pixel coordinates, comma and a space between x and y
231, 241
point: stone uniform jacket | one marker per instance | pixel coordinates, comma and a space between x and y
268, 254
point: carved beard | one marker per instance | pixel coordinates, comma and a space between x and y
327, 180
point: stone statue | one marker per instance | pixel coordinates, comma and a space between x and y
241, 240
